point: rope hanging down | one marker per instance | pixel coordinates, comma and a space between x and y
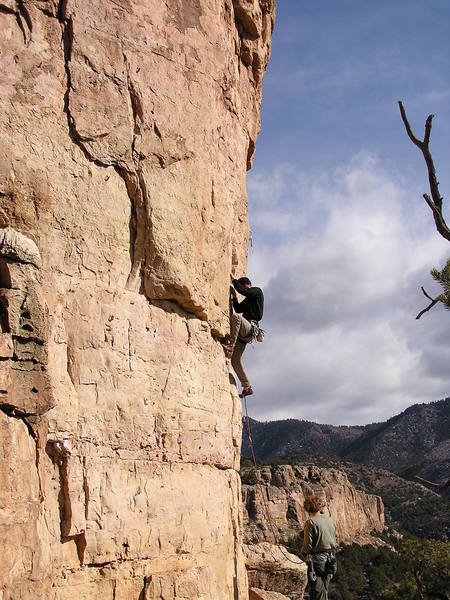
261, 490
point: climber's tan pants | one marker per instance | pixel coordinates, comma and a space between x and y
240, 328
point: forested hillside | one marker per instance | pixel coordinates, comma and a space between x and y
415, 442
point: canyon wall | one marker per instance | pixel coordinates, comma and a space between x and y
126, 129
355, 513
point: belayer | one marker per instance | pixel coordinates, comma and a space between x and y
244, 326
318, 548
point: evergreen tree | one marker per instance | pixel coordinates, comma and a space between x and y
427, 572
443, 277
413, 570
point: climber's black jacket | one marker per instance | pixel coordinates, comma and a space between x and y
252, 306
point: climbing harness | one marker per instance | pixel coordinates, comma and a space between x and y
329, 570
256, 334
330, 565
246, 422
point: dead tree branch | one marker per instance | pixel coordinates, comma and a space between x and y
435, 202
433, 302
438, 486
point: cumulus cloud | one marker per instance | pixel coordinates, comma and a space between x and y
341, 257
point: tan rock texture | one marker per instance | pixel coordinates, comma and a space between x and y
126, 129
273, 571
355, 513
257, 594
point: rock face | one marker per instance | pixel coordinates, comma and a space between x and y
258, 594
285, 487
125, 133
274, 573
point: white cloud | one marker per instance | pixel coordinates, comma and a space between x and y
341, 258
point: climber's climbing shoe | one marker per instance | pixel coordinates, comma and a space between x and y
228, 349
246, 392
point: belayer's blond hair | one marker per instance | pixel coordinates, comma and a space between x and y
313, 504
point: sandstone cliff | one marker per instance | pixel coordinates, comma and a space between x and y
126, 130
355, 513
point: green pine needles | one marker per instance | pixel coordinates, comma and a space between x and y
443, 277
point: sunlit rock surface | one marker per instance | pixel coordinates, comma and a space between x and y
273, 570
126, 130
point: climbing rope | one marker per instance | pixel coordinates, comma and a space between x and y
261, 489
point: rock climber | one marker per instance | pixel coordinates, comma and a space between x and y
318, 546
242, 316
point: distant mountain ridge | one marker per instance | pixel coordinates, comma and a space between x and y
414, 442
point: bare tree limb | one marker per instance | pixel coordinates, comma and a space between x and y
430, 202
411, 136
433, 302
439, 486
428, 295
435, 202
426, 139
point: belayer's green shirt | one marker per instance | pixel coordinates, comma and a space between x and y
320, 536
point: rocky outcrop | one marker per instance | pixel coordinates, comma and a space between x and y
271, 569
285, 487
257, 594
24, 382
126, 131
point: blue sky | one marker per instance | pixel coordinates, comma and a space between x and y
342, 239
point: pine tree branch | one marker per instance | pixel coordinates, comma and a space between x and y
435, 202
433, 302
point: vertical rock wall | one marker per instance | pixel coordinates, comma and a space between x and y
126, 129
